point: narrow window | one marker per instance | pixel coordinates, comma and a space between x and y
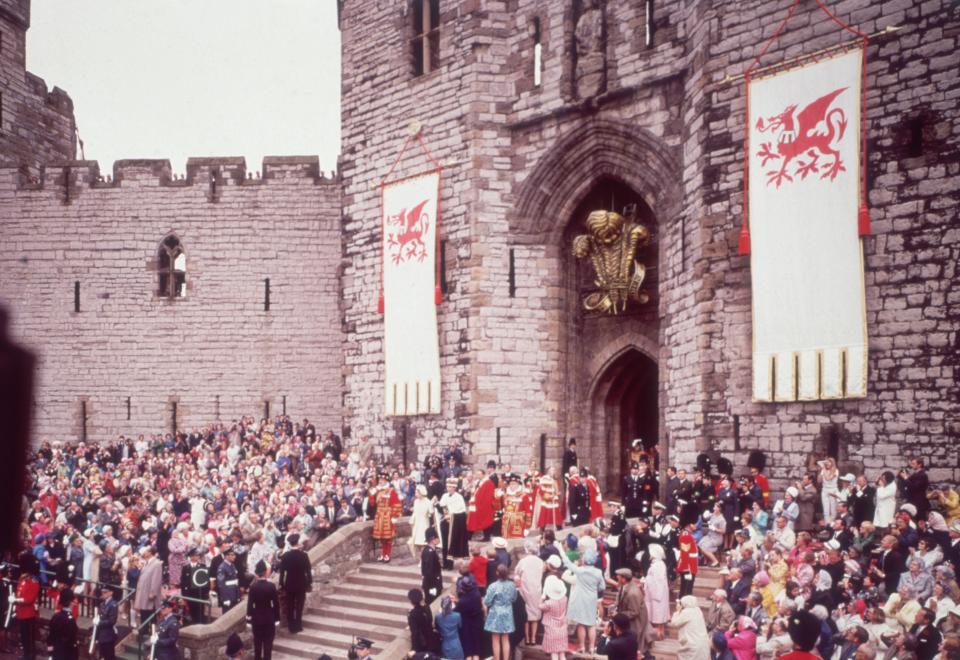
425, 45
512, 275
648, 24
444, 286
171, 269
266, 409
266, 294
76, 296
128, 408
83, 421
173, 417
537, 53
284, 405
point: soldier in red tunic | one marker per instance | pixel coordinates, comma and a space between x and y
25, 604
688, 561
389, 509
483, 504
596, 499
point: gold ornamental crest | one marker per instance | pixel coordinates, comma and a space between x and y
611, 245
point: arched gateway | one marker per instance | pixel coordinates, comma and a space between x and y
611, 375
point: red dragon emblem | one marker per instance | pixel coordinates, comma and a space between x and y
802, 140
405, 234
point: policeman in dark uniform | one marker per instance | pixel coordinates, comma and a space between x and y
168, 632
228, 582
62, 639
649, 487
195, 584
578, 498
430, 567
630, 492
106, 629
362, 648
263, 612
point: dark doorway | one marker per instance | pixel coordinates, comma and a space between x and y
625, 407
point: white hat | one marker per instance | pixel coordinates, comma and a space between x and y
659, 505
554, 561
792, 492
833, 544
909, 508
554, 589
848, 477
499, 542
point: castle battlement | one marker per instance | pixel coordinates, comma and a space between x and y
214, 172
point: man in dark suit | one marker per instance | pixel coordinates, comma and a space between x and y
296, 579
106, 629
622, 644
431, 571
263, 612
578, 498
891, 564
570, 456
737, 588
914, 487
928, 637
62, 639
228, 580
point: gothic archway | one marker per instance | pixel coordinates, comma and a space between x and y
624, 405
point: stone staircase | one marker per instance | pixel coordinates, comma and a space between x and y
370, 602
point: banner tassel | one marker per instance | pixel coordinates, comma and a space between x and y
863, 221
380, 302
437, 295
744, 246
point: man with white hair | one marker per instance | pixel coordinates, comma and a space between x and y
150, 585
783, 534
720, 615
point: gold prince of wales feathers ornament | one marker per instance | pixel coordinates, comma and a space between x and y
612, 245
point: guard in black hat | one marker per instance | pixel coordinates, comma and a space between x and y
234, 646
263, 612
195, 585
168, 632
431, 570
804, 630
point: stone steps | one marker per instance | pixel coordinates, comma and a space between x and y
371, 602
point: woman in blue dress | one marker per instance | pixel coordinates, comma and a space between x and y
470, 608
448, 623
588, 587
498, 604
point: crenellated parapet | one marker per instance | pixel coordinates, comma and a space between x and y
70, 178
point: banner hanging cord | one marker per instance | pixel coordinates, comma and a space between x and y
863, 214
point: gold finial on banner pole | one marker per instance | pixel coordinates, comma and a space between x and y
414, 128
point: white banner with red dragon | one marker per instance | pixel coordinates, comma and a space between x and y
410, 210
809, 310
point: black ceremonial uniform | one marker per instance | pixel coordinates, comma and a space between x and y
107, 631
435, 489
263, 615
630, 494
431, 572
578, 502
168, 632
648, 493
62, 639
195, 583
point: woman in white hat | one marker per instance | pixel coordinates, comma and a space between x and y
828, 478
553, 607
420, 519
691, 630
657, 590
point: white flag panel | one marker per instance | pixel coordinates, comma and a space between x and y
411, 341
809, 310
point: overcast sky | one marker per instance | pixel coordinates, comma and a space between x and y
179, 78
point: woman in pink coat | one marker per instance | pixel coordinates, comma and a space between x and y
553, 608
742, 639
657, 590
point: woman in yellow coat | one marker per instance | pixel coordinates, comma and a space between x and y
949, 502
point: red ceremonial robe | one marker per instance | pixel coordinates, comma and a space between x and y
482, 505
688, 561
596, 500
764, 488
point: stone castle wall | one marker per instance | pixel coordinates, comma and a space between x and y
36, 125
520, 159
128, 355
